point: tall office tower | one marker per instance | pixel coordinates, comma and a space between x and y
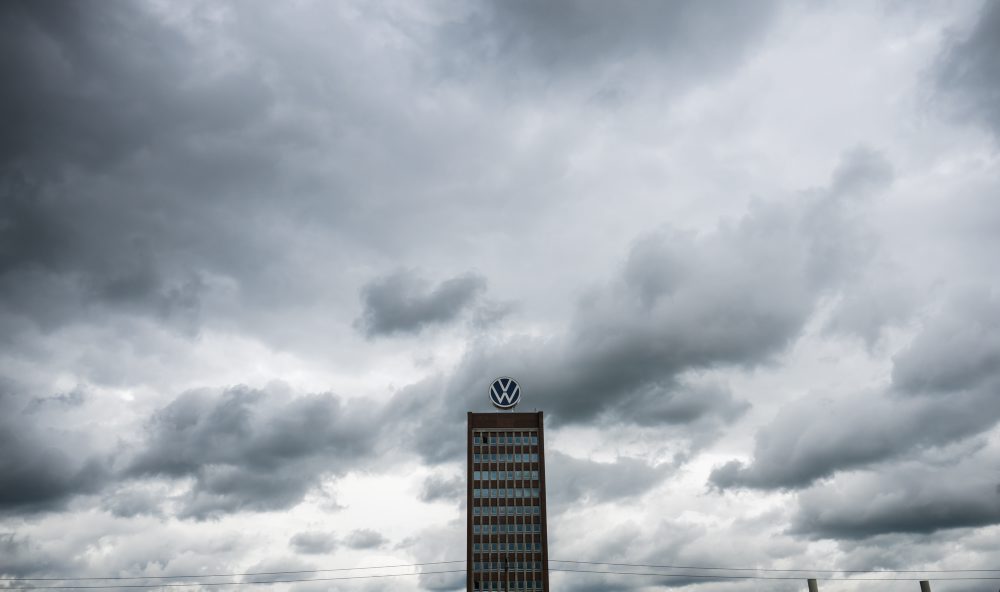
506, 538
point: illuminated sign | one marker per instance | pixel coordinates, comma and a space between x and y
505, 393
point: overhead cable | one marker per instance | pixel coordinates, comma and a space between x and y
266, 582
764, 569
753, 577
230, 575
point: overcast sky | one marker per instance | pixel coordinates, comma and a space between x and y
258, 260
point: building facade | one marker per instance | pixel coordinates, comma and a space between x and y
506, 528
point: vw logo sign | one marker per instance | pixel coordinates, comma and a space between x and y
505, 393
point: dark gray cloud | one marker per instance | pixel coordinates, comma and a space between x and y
912, 498
129, 502
969, 73
682, 304
314, 542
93, 133
574, 481
22, 557
664, 541
41, 467
439, 488
364, 538
959, 351
735, 296
186, 186
273, 566
594, 41
402, 302
253, 450
944, 390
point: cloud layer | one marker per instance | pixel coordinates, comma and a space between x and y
258, 262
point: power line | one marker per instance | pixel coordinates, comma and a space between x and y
288, 581
410, 565
375, 576
229, 575
773, 569
753, 577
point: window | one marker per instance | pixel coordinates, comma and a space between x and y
493, 457
517, 439
534, 475
519, 510
475, 529
494, 510
493, 439
477, 457
534, 440
493, 475
475, 493
538, 528
475, 440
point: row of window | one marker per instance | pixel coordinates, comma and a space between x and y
504, 475
505, 457
515, 492
519, 584
501, 566
506, 511
505, 439
506, 528
486, 547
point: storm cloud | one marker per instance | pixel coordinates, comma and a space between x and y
365, 538
911, 498
576, 480
314, 542
258, 261
969, 74
570, 40
41, 466
943, 390
680, 304
251, 450
405, 303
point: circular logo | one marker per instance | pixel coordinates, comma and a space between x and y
505, 393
